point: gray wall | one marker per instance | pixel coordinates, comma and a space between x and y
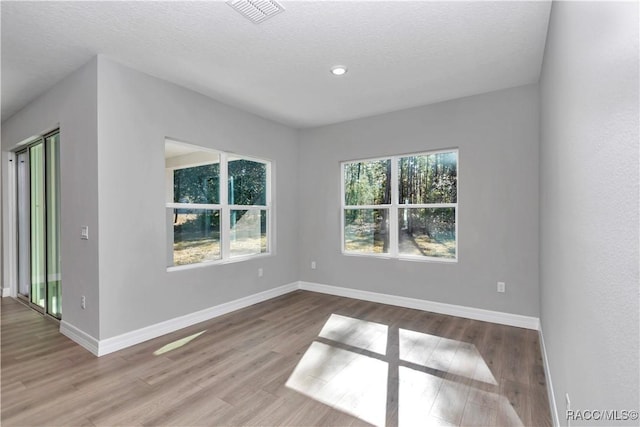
135, 114
589, 205
71, 104
497, 135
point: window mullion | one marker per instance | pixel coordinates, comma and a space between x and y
367, 206
393, 210
225, 214
428, 205
248, 207
193, 206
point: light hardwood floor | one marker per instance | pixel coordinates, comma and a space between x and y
300, 359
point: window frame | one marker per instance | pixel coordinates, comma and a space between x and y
223, 206
395, 206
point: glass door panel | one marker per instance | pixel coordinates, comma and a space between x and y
38, 261
24, 234
53, 225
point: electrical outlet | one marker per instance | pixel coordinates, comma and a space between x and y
260, 272
83, 302
84, 232
502, 287
313, 265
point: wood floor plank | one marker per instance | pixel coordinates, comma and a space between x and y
478, 415
519, 402
255, 366
194, 410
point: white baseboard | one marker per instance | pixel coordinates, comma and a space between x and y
80, 337
137, 336
425, 305
6, 292
550, 394
128, 339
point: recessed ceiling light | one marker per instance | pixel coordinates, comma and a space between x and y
338, 70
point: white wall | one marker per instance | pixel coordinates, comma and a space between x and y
72, 105
589, 205
135, 114
497, 135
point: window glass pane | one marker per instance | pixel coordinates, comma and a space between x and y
431, 178
427, 232
196, 235
199, 184
367, 183
366, 230
248, 232
247, 182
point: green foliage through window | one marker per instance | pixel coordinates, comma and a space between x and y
199, 184
367, 183
247, 182
431, 178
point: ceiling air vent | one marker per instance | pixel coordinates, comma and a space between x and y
256, 10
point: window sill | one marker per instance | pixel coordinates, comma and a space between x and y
217, 262
403, 258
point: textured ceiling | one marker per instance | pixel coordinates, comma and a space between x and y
399, 54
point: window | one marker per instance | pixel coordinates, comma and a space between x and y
401, 206
218, 205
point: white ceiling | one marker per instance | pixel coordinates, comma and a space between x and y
400, 54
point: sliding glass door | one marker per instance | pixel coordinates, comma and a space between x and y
38, 225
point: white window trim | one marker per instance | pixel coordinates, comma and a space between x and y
224, 208
395, 205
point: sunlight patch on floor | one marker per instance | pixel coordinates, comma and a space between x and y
350, 382
356, 333
355, 380
443, 354
416, 394
177, 344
